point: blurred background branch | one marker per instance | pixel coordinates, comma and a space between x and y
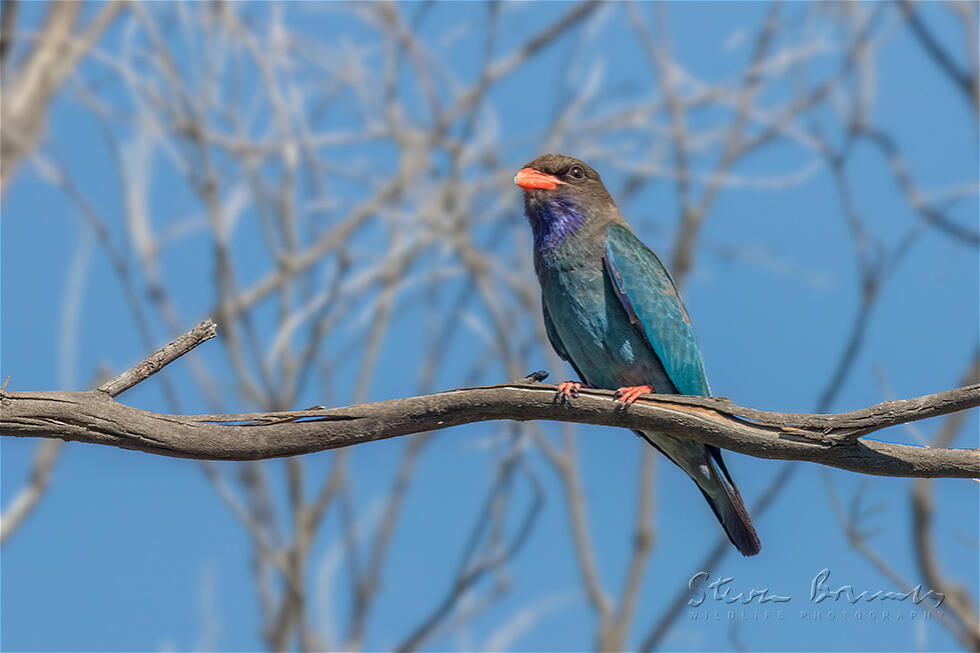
332, 183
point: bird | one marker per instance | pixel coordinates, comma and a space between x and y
612, 310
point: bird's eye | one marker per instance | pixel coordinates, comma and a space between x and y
576, 172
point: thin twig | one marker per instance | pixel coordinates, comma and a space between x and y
160, 358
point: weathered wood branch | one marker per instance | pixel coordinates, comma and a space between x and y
827, 439
160, 359
833, 440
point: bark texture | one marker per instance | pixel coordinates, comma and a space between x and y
834, 440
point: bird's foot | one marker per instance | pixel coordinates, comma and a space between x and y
568, 389
629, 393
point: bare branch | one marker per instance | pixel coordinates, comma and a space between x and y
966, 82
566, 465
55, 54
826, 439
160, 358
25, 501
965, 625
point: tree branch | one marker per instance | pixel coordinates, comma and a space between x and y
826, 439
159, 359
833, 440
27, 498
57, 50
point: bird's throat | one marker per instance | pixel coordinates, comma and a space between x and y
552, 221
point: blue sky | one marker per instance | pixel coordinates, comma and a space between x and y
129, 551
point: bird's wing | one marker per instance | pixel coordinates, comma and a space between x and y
650, 298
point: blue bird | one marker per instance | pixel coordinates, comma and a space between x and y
613, 312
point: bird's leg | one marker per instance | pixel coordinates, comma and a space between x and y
628, 393
568, 389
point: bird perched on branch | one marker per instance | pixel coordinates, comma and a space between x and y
613, 312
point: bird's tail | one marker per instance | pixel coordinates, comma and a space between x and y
726, 502
704, 464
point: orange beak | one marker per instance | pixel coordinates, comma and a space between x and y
531, 179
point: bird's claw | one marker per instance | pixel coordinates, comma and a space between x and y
568, 389
629, 393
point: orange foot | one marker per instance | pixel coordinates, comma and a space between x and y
568, 389
628, 394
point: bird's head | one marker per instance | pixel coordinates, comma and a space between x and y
561, 194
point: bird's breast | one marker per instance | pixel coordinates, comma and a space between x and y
595, 330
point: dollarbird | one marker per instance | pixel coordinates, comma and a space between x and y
612, 310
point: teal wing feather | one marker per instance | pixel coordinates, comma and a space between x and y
650, 298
